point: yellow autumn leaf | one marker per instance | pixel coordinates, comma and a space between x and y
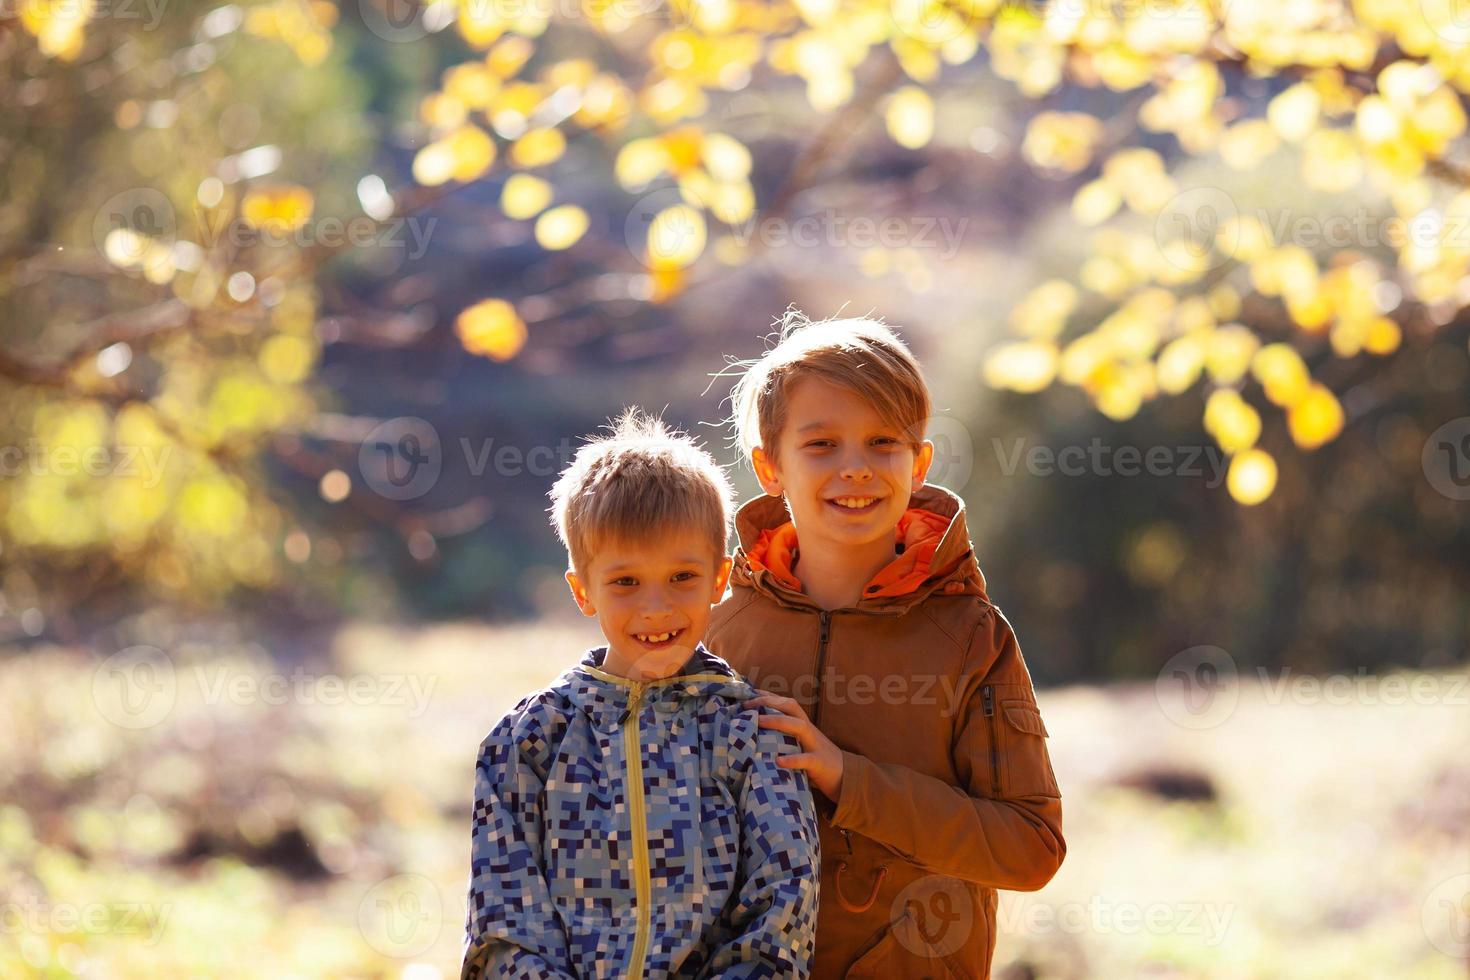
491, 328
463, 155
1026, 366
1384, 336
524, 196
512, 51
561, 227
676, 237
471, 84
1180, 364
1247, 144
1281, 372
1316, 418
1234, 423
732, 202
1061, 140
1228, 352
683, 149
725, 157
59, 28
278, 210
1294, 112
910, 117
286, 359
479, 24
538, 147
1095, 202
1044, 310
1252, 477
640, 161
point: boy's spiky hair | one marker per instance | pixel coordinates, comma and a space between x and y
861, 354
639, 481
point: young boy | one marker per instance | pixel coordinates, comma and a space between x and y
856, 592
631, 819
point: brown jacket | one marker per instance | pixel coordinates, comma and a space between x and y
948, 791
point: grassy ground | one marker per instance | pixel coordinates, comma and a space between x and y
209, 813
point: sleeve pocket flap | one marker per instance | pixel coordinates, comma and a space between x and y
1025, 717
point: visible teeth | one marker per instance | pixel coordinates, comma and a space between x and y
654, 637
854, 502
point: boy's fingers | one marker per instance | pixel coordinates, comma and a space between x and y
784, 723
785, 705
803, 760
798, 727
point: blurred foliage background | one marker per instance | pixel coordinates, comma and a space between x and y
305, 303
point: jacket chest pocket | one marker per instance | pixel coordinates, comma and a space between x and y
1020, 763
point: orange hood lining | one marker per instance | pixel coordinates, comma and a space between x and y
919, 534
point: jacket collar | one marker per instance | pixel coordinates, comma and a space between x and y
605, 697
936, 555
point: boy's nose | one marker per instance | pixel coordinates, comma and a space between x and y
658, 611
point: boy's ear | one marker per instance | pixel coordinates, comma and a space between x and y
923, 459
765, 472
722, 576
579, 593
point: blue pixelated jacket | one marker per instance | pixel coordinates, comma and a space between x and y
628, 829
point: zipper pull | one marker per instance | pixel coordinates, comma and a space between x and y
847, 838
826, 623
632, 706
987, 700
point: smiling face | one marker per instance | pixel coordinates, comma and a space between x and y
652, 600
847, 474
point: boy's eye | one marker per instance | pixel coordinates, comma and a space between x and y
685, 576
625, 580
818, 444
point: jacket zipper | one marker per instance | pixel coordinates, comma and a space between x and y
824, 634
987, 699
642, 876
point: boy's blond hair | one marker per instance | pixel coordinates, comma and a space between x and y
860, 354
640, 481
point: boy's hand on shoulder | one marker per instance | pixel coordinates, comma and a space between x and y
822, 759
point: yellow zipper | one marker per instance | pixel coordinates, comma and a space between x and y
642, 875
637, 805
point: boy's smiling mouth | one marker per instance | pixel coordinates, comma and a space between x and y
659, 641
854, 504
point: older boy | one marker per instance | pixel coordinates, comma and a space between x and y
630, 820
855, 589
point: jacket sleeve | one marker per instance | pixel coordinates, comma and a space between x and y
774, 916
1001, 827
511, 927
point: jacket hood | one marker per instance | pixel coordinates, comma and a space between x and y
605, 697
933, 553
